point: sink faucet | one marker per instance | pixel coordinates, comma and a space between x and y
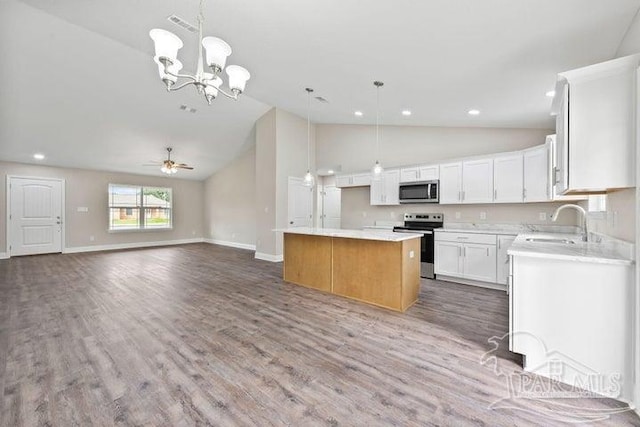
585, 232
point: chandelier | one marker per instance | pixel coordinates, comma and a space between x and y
208, 84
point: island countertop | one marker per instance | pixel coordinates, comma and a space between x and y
381, 235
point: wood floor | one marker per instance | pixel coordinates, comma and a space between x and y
206, 335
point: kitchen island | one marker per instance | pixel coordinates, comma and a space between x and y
373, 266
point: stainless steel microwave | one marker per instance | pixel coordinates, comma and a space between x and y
420, 192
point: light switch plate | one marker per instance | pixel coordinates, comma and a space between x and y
483, 215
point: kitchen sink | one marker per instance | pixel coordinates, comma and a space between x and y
549, 240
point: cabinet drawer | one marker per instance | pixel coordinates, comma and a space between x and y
486, 239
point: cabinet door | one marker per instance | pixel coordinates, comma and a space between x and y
508, 179
429, 173
376, 195
477, 181
451, 183
536, 174
479, 262
448, 260
409, 175
343, 181
561, 164
392, 187
361, 179
502, 263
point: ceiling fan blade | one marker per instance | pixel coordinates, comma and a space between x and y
183, 166
153, 164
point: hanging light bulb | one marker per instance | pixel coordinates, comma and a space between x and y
309, 179
377, 169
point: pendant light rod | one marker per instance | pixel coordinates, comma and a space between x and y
378, 84
309, 92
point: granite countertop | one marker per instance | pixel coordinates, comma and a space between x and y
607, 251
380, 235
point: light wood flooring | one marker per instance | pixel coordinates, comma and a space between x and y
206, 335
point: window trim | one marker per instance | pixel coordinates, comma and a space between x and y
141, 226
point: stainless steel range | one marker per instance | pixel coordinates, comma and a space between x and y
423, 223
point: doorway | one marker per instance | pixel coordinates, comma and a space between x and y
35, 212
300, 203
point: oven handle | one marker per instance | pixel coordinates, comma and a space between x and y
414, 231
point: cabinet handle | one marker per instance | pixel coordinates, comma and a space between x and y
556, 172
495, 194
460, 196
487, 251
499, 243
463, 196
459, 251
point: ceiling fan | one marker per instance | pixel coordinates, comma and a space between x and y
168, 166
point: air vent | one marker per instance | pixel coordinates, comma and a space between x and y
182, 23
321, 99
187, 109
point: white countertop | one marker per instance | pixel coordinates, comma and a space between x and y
606, 252
381, 235
477, 231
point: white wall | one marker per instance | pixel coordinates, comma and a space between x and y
230, 201
631, 42
265, 206
85, 188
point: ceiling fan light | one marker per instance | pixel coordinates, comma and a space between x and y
238, 77
173, 68
166, 43
217, 52
308, 180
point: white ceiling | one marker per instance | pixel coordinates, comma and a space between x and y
79, 78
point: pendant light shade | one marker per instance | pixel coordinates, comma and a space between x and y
167, 44
174, 69
217, 51
377, 170
238, 77
309, 180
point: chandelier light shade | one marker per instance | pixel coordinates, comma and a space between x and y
217, 52
308, 179
377, 170
208, 84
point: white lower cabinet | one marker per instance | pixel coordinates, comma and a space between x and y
469, 256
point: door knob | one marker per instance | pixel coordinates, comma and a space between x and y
58, 222
290, 222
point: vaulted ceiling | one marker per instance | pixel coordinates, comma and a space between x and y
79, 84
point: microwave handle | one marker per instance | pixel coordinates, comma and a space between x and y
429, 191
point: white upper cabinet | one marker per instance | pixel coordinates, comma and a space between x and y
477, 181
386, 190
536, 174
451, 183
420, 173
508, 178
353, 180
596, 126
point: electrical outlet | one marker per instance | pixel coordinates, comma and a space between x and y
193, 232
542, 216
483, 215
83, 209
233, 235
266, 209
364, 214
411, 254
92, 238
458, 215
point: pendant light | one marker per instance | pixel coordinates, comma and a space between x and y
309, 180
377, 169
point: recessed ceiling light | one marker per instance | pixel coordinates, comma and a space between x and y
406, 112
358, 113
330, 171
38, 156
474, 112
551, 93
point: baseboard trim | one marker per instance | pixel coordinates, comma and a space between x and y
4, 255
135, 245
488, 285
269, 257
231, 244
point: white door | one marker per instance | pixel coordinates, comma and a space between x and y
448, 259
451, 183
479, 262
35, 217
536, 174
331, 207
477, 181
508, 179
300, 201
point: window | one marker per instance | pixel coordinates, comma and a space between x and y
139, 208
